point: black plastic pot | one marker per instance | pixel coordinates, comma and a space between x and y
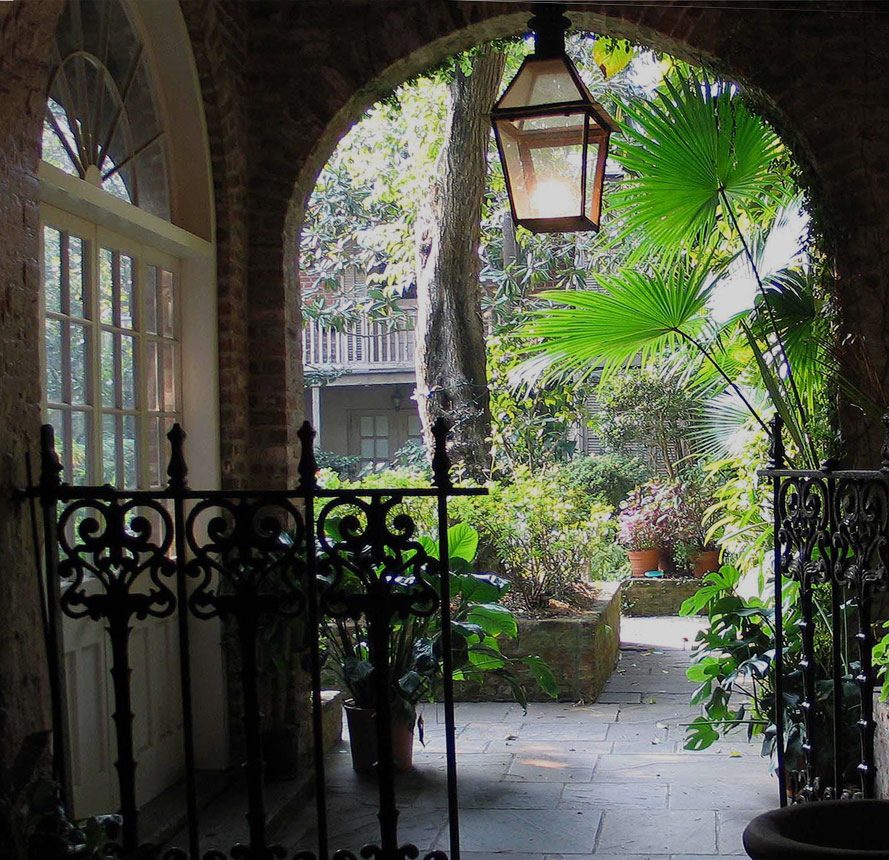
827, 830
280, 749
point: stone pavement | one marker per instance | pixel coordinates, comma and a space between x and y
608, 780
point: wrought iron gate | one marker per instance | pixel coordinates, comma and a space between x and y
831, 542
246, 556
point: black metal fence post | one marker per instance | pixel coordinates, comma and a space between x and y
441, 472
50, 483
308, 484
177, 485
777, 462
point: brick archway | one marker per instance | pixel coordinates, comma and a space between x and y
312, 74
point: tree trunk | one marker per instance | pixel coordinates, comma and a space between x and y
450, 354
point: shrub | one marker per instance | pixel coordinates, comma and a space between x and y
421, 510
607, 477
346, 467
542, 530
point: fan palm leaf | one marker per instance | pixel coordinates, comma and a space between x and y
633, 317
687, 152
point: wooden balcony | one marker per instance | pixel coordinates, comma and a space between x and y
361, 347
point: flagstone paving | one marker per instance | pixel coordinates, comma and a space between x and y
606, 781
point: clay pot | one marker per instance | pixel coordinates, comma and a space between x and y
706, 562
643, 560
363, 740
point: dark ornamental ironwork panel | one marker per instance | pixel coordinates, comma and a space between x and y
832, 543
248, 558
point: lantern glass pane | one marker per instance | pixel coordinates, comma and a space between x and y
593, 200
544, 162
541, 82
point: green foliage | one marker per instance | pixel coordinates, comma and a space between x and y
635, 313
733, 666
478, 621
421, 510
607, 478
342, 465
48, 834
692, 150
542, 530
653, 406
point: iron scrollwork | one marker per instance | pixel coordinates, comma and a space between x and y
113, 556
832, 538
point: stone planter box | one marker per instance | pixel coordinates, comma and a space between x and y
657, 596
581, 651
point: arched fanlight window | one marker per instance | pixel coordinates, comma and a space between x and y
102, 123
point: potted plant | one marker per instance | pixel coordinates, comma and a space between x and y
694, 539
478, 620
646, 527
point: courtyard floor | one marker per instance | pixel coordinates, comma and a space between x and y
607, 780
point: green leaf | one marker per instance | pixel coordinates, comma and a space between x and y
690, 148
544, 675
494, 619
700, 734
634, 316
481, 587
462, 541
612, 55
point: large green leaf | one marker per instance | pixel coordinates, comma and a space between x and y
494, 619
634, 313
462, 541
687, 151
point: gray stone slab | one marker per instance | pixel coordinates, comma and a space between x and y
666, 712
351, 830
730, 824
637, 731
479, 792
552, 831
643, 747
698, 857
492, 731
635, 795
479, 712
620, 698
643, 831
570, 767
563, 731
549, 711
550, 747
676, 768
719, 792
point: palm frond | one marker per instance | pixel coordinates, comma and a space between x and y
685, 151
634, 316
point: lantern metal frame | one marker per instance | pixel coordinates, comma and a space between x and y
549, 25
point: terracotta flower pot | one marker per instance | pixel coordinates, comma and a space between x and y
706, 562
643, 560
363, 740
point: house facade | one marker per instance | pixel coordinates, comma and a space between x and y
182, 300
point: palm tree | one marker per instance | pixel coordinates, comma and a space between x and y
700, 168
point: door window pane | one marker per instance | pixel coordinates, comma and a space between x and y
52, 269
111, 359
53, 330
80, 362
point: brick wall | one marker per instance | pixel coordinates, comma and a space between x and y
816, 74
25, 38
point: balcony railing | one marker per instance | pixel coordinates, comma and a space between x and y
360, 346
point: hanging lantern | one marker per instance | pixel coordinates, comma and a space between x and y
552, 136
